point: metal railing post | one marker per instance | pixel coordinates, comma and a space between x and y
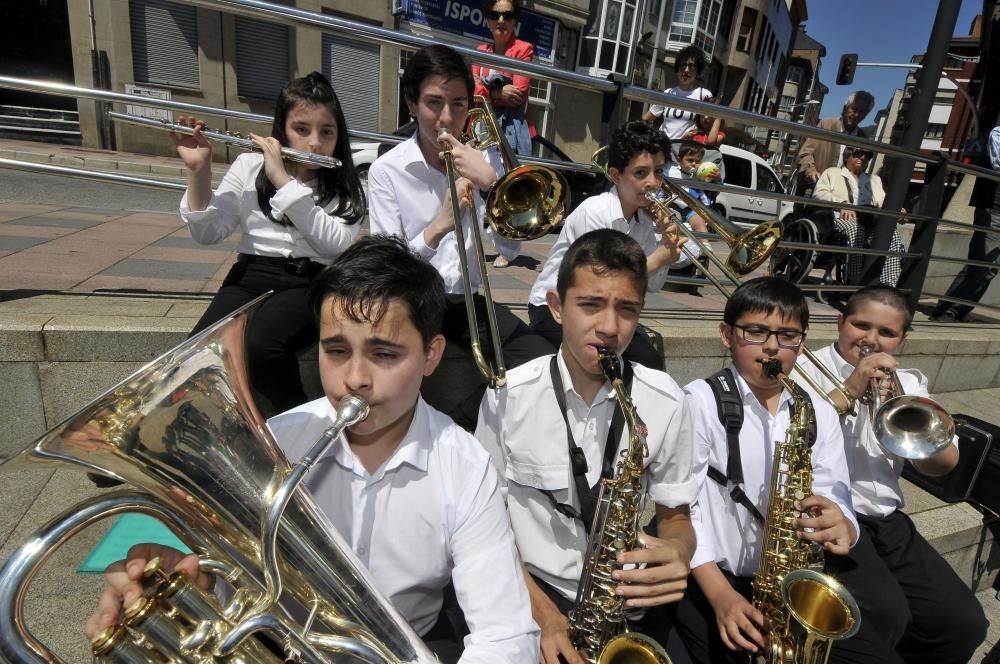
922, 243
613, 107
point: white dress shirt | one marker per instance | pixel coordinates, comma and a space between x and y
523, 430
405, 193
601, 211
727, 533
874, 472
432, 513
314, 233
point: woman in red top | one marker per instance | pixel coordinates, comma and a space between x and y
508, 93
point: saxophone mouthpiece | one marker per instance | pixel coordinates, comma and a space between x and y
609, 362
772, 367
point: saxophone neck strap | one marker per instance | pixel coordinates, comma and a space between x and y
577, 458
729, 404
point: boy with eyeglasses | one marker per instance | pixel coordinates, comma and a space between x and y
765, 318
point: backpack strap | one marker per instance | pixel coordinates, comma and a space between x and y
730, 409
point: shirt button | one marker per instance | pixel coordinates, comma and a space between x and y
362, 550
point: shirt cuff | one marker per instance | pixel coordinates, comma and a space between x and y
293, 192
420, 247
674, 495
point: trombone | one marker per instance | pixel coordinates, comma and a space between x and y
748, 250
906, 425
523, 204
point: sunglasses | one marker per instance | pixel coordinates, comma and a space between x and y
496, 16
861, 155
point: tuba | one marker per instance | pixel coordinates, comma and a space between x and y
185, 436
598, 628
806, 610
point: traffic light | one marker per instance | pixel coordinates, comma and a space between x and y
845, 73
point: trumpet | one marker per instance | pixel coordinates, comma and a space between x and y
232, 138
524, 204
907, 426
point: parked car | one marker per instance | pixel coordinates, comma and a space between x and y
747, 170
364, 154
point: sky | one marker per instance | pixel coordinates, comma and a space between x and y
889, 31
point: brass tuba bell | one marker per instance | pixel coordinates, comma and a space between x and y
183, 432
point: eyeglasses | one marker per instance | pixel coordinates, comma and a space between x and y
496, 16
758, 336
861, 155
688, 65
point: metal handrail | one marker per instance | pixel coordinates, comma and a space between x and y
268, 11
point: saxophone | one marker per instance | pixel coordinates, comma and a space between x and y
598, 627
806, 610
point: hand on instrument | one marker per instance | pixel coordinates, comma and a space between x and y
194, 150
554, 628
469, 163
274, 164
672, 239
445, 221
662, 581
740, 623
827, 524
875, 365
124, 582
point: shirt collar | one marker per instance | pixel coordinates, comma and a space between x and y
843, 366
412, 154
747, 394
413, 449
605, 393
615, 209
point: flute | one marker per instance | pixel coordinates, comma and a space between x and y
237, 140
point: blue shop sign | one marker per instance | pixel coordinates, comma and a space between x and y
465, 17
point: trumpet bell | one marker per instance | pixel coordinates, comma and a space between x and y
754, 247
913, 427
527, 203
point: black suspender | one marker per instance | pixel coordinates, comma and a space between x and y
578, 460
730, 409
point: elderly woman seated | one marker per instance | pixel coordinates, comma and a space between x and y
852, 185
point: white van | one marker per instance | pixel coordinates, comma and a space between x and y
747, 170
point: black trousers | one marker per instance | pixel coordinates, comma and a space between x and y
700, 633
282, 327
910, 594
640, 349
456, 388
973, 280
657, 622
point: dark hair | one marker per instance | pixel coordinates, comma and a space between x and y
515, 6
436, 60
690, 53
373, 272
342, 183
634, 138
604, 250
690, 147
887, 295
764, 295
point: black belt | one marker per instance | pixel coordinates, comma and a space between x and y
299, 267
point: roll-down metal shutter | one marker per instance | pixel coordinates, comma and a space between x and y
261, 58
164, 43
353, 67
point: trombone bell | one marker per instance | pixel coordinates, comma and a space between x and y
527, 203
